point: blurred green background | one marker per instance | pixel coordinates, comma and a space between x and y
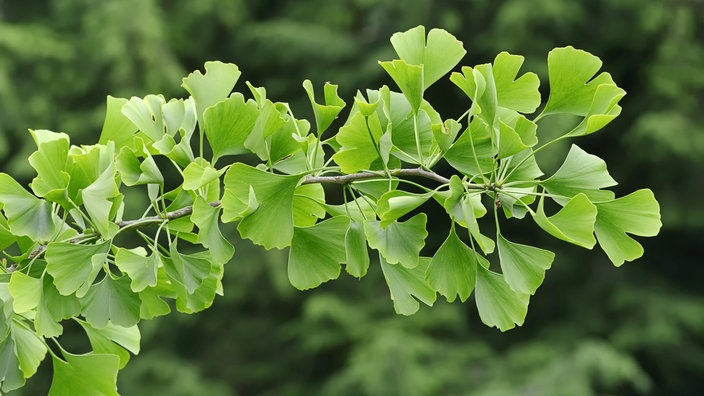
591, 329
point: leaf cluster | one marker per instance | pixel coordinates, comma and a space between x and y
250, 161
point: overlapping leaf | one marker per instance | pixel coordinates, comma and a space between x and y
398, 242
574, 223
453, 269
408, 286
317, 252
499, 306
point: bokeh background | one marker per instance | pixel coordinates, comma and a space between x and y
592, 329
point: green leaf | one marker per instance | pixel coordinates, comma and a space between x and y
637, 213
409, 79
407, 283
26, 292
308, 201
134, 172
324, 114
520, 94
398, 242
574, 223
499, 306
317, 252
111, 339
478, 84
572, 82
453, 269
213, 86
356, 250
510, 142
523, 266
228, 124
396, 203
142, 269
26, 214
199, 173
359, 209
473, 153
11, 377
53, 308
187, 270
75, 266
359, 140
49, 160
205, 217
30, 349
100, 199
581, 172
116, 127
440, 54
274, 194
603, 110
111, 300
89, 374
202, 297
146, 115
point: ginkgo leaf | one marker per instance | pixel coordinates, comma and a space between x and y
213, 86
116, 126
581, 172
49, 160
637, 213
199, 173
439, 54
326, 113
11, 377
75, 266
473, 152
574, 223
100, 199
113, 340
499, 306
603, 110
26, 214
408, 286
111, 300
29, 348
145, 113
523, 266
519, 94
358, 141
478, 84
398, 242
228, 124
274, 194
134, 172
572, 82
203, 295
308, 201
317, 252
88, 374
141, 269
205, 216
453, 269
409, 79
357, 261
396, 203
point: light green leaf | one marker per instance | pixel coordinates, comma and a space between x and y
11, 377
274, 194
111, 339
510, 142
49, 160
407, 283
75, 266
202, 297
324, 114
359, 143
574, 223
581, 172
100, 199
111, 300
478, 84
199, 173
603, 110
146, 115
499, 306
116, 127
205, 217
473, 153
142, 269
30, 349
308, 201
53, 308
409, 79
572, 82
439, 55
213, 86
359, 209
523, 168
356, 250
637, 213
398, 242
317, 252
187, 270
453, 269
228, 124
26, 214
523, 266
520, 94
396, 203
89, 374
134, 172
26, 292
